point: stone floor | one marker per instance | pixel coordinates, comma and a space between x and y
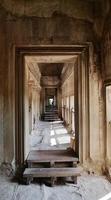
89, 187
49, 135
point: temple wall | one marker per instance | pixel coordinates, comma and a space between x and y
64, 24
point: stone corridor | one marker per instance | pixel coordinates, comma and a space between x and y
49, 135
55, 65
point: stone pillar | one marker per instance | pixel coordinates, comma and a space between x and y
83, 108
42, 100
96, 108
55, 100
36, 108
1, 118
59, 101
26, 113
39, 103
108, 124
30, 107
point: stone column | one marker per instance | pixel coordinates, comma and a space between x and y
83, 108
36, 99
26, 113
42, 100
108, 125
30, 107
59, 101
97, 123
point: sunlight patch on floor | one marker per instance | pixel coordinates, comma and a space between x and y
106, 197
53, 142
59, 135
64, 140
52, 133
61, 131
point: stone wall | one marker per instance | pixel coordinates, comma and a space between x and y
68, 80
101, 9
41, 8
96, 115
67, 95
59, 26
1, 99
55, 23
106, 74
106, 49
31, 103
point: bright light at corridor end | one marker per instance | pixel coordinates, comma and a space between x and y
106, 197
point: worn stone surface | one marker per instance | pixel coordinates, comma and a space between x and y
82, 10
88, 187
106, 50
49, 135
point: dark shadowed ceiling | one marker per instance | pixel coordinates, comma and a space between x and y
50, 69
80, 9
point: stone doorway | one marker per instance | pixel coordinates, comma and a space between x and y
81, 78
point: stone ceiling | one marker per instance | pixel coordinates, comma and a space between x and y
51, 69
51, 59
50, 65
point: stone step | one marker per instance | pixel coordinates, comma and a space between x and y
51, 115
51, 120
48, 117
52, 156
46, 110
54, 173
